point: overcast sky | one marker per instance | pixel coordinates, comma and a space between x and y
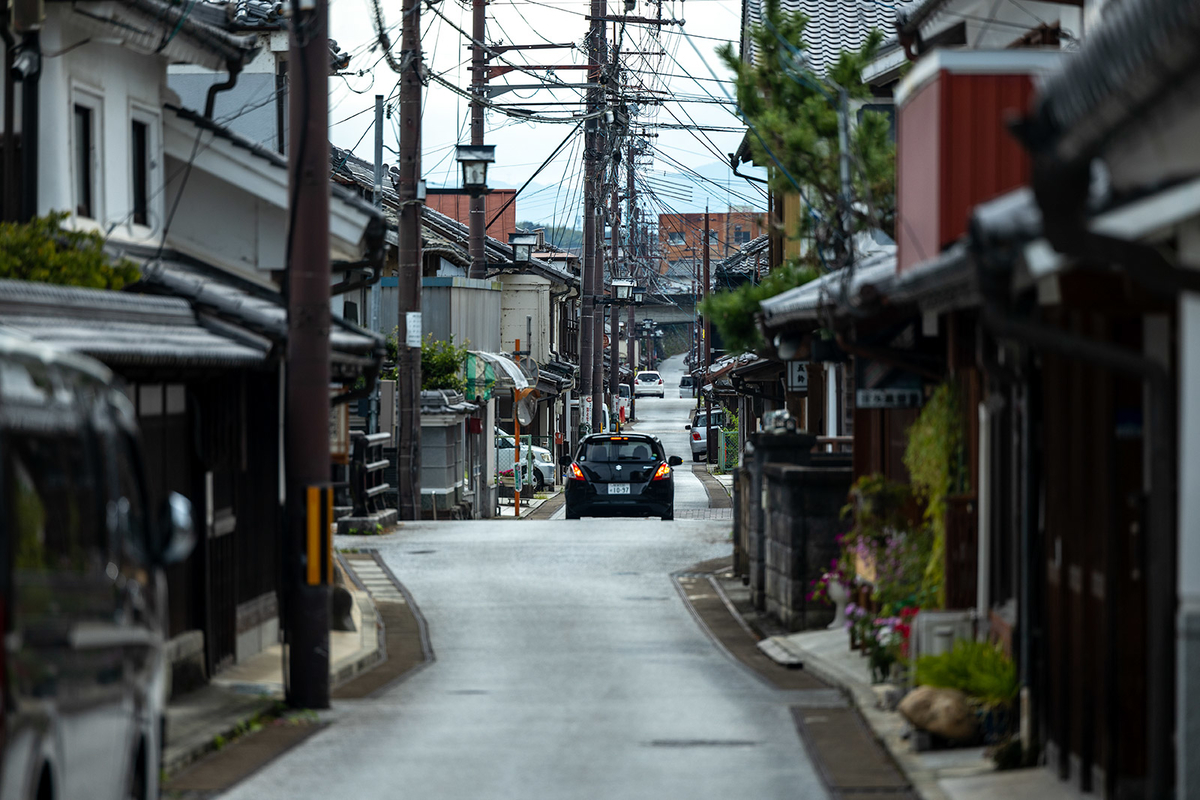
521, 145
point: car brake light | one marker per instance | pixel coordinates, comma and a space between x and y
695, 436
660, 381
576, 473
663, 471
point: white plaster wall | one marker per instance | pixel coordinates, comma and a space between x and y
122, 83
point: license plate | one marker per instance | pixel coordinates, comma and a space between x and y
618, 488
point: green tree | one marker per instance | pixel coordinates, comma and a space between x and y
42, 250
795, 112
732, 312
442, 364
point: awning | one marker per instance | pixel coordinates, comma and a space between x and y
487, 372
806, 303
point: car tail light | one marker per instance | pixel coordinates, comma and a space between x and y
576, 473
663, 471
695, 436
660, 381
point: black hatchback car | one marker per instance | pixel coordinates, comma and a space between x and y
620, 476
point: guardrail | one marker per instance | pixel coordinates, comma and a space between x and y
368, 489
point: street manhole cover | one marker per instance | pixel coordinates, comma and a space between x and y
420, 552
469, 691
702, 743
626, 573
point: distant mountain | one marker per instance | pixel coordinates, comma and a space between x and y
557, 235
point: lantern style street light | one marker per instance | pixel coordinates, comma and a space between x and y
639, 295
474, 159
622, 289
522, 246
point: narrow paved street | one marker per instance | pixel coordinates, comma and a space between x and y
567, 666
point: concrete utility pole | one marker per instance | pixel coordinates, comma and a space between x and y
589, 346
706, 333
614, 353
408, 379
477, 232
309, 494
630, 261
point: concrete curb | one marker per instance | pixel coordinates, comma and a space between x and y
888, 727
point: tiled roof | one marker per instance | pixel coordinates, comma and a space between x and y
833, 26
1141, 51
752, 258
438, 229
830, 290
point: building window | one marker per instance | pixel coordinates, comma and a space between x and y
712, 235
741, 237
84, 160
140, 140
675, 237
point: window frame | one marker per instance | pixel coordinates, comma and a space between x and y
140, 114
93, 102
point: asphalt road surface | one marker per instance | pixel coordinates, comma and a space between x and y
567, 666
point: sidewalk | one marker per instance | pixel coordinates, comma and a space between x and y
200, 721
953, 774
528, 503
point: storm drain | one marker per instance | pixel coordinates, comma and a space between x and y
701, 743
851, 761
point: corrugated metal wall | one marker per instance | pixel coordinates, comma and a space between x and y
465, 308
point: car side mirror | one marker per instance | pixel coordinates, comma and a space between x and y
565, 461
177, 523
687, 427
674, 461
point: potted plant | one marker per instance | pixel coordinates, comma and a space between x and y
833, 588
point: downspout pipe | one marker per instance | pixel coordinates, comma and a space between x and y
10, 139
28, 66
235, 69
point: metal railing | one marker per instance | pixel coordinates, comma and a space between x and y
368, 488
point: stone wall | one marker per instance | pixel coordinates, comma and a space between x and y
802, 518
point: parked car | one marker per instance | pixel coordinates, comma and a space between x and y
620, 476
648, 383
700, 426
624, 401
687, 386
543, 460
81, 581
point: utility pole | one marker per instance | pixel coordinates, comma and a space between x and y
706, 333
630, 260
307, 549
614, 353
478, 208
375, 297
408, 367
590, 347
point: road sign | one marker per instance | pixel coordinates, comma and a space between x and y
797, 376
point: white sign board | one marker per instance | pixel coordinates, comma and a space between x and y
797, 376
412, 328
888, 398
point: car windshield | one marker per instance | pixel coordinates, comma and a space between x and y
648, 376
624, 390
619, 450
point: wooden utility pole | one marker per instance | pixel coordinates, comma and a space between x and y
478, 209
307, 549
408, 366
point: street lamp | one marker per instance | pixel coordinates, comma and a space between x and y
639, 295
622, 288
474, 159
522, 246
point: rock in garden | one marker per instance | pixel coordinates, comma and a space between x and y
945, 712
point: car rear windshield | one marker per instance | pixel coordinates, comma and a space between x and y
623, 391
620, 450
648, 376
686, 380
